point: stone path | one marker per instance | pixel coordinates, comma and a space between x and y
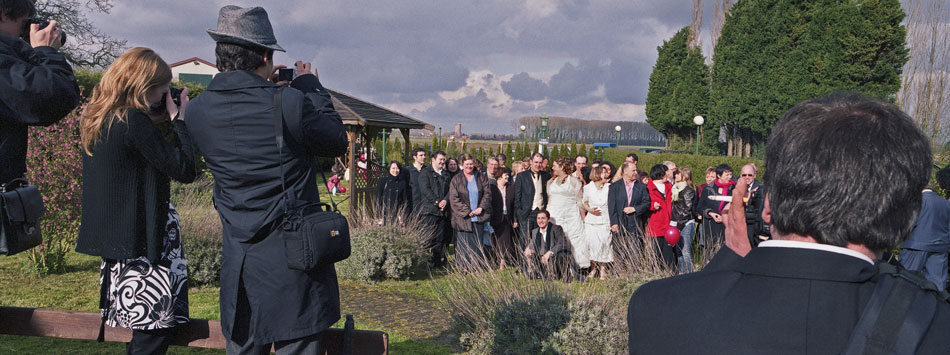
409, 316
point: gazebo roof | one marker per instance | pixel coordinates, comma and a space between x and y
361, 113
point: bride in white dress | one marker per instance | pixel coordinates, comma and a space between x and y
564, 196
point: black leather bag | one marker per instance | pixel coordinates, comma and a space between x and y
314, 234
21, 207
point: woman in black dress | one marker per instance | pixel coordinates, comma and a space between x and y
502, 221
127, 218
393, 193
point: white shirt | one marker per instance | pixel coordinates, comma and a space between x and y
544, 234
814, 246
537, 201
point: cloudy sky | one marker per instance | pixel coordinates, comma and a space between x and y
482, 63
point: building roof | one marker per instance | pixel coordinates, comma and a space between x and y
358, 112
190, 60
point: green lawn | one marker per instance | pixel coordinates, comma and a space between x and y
78, 289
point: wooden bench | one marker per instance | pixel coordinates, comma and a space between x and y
200, 333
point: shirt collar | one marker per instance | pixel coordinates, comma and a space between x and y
814, 246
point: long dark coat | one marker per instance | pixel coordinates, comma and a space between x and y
37, 88
232, 124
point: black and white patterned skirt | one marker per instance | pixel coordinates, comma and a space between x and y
139, 294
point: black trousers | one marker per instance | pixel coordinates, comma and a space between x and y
150, 341
525, 226
438, 242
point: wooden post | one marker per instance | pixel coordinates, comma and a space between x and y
351, 135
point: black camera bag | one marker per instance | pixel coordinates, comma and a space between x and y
314, 234
21, 207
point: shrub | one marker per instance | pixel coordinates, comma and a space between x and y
598, 325
54, 164
200, 230
384, 248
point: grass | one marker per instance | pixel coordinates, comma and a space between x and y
78, 289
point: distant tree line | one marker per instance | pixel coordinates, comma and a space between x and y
566, 130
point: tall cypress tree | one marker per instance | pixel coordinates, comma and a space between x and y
678, 89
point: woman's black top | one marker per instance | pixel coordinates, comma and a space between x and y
125, 190
684, 206
392, 193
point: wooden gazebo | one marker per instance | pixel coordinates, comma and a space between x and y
364, 121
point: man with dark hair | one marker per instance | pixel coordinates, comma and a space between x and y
580, 163
36, 82
531, 196
548, 251
433, 206
418, 163
233, 124
809, 290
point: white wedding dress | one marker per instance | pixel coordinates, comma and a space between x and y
563, 201
597, 228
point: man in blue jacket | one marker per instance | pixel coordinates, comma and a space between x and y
926, 248
37, 86
264, 302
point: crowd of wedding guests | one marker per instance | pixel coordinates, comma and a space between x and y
567, 218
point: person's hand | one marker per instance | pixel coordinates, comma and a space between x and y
629, 210
48, 36
546, 257
595, 211
528, 252
737, 237
273, 76
175, 111
442, 204
716, 217
514, 225
302, 68
614, 228
477, 212
656, 205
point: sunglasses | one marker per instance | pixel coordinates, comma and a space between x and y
748, 175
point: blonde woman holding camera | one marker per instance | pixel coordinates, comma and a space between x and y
127, 218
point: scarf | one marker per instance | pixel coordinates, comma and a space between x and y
677, 188
722, 190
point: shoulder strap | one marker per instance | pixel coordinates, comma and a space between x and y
279, 133
897, 315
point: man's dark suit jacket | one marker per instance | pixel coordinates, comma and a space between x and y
617, 201
932, 228
524, 193
773, 301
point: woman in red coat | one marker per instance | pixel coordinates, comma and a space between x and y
661, 208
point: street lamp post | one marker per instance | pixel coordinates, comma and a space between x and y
523, 140
698, 120
618, 128
384, 133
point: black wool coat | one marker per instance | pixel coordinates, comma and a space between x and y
125, 188
393, 193
232, 123
37, 88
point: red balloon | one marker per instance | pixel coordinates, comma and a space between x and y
672, 235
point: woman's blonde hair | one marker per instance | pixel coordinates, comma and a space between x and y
123, 87
597, 174
687, 175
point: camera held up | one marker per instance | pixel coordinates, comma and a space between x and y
42, 23
159, 106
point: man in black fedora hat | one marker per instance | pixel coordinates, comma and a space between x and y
264, 302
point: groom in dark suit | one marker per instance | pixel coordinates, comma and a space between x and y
548, 252
805, 290
531, 196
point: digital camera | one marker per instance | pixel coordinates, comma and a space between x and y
159, 106
42, 23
